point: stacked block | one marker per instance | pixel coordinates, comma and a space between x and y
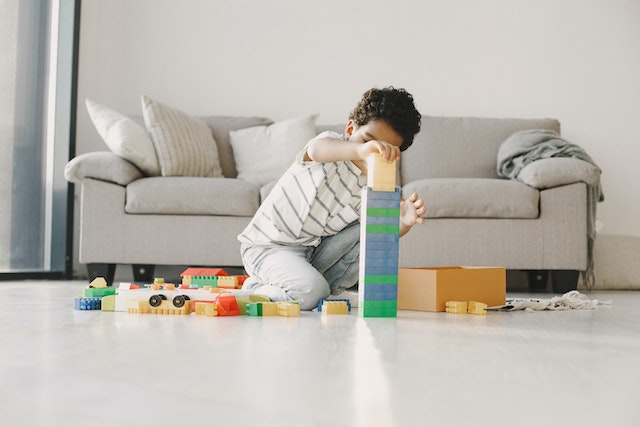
379, 242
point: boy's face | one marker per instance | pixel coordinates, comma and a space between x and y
374, 130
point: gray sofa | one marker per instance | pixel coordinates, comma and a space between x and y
474, 217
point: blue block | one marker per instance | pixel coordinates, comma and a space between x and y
94, 303
379, 292
386, 220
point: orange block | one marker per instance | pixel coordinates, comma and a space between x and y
227, 305
428, 289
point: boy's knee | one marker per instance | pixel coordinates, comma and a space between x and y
308, 296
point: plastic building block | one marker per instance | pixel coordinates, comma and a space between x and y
381, 175
138, 307
475, 307
98, 282
128, 286
87, 303
288, 309
206, 308
254, 309
457, 307
202, 276
227, 305
321, 303
98, 292
377, 308
335, 307
228, 282
108, 303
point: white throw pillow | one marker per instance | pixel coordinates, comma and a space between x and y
184, 144
557, 171
124, 137
264, 153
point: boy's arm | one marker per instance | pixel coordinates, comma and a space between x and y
411, 211
326, 150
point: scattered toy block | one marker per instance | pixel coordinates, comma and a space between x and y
87, 303
138, 307
206, 308
108, 303
457, 307
254, 309
168, 307
288, 309
98, 292
227, 305
269, 308
98, 282
228, 282
128, 286
321, 303
334, 307
475, 307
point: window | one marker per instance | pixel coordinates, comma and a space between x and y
37, 91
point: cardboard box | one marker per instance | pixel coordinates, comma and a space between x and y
428, 289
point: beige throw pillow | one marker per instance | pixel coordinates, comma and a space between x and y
124, 137
184, 144
263, 153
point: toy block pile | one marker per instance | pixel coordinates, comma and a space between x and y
215, 277
92, 297
379, 240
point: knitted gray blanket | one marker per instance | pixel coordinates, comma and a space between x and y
525, 147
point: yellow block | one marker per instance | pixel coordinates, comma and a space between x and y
476, 307
335, 307
138, 307
288, 309
209, 309
458, 307
98, 282
381, 175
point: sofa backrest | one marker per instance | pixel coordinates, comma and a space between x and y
461, 147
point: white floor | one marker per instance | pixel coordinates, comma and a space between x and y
60, 367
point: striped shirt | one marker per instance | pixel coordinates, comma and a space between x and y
310, 201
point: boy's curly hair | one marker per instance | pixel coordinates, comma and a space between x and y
394, 106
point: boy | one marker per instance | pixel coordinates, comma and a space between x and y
303, 243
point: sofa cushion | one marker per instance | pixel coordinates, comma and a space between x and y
475, 198
124, 137
184, 144
263, 153
221, 126
192, 196
461, 147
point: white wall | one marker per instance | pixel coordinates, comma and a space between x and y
575, 60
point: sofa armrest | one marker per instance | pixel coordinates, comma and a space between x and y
104, 166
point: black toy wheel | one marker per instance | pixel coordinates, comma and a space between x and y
178, 301
156, 300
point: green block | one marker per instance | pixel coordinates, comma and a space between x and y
378, 308
394, 212
203, 281
98, 292
254, 309
381, 279
383, 229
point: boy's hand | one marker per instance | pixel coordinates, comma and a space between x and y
411, 211
389, 152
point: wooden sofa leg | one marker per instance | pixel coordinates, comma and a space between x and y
564, 280
143, 273
538, 280
101, 270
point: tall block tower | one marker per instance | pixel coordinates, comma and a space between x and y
379, 241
